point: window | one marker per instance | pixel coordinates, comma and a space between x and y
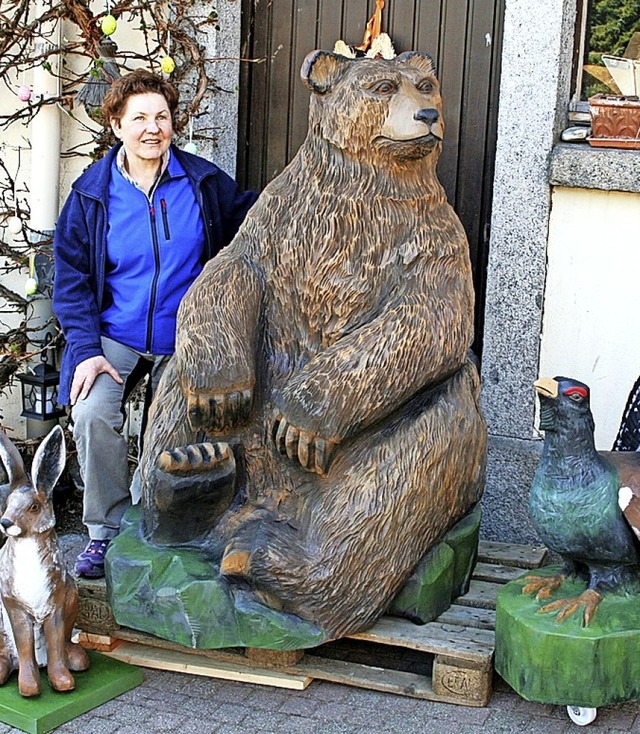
605, 27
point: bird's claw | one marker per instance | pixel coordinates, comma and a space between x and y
542, 586
312, 452
590, 598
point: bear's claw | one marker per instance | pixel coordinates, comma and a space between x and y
197, 457
220, 410
312, 452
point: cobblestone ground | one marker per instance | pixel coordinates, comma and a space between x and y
175, 703
171, 703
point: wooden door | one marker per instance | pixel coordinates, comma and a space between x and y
464, 38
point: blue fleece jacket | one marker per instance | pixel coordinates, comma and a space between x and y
84, 272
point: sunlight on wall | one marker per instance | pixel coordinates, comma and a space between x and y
591, 301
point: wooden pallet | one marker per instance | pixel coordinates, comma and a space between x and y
457, 648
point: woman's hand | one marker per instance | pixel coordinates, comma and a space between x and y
86, 373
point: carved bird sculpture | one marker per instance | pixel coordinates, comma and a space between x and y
579, 502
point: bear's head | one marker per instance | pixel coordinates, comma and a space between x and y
375, 108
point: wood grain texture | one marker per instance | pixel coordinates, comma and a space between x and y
344, 306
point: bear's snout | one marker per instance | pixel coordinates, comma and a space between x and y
428, 115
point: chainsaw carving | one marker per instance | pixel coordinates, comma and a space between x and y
39, 597
318, 429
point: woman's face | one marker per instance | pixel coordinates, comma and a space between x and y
145, 127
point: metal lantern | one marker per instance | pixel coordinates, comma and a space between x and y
40, 390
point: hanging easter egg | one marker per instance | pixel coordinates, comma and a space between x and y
14, 225
167, 64
109, 25
31, 286
24, 93
191, 148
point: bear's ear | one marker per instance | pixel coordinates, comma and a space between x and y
418, 60
321, 69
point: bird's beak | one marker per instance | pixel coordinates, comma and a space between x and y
547, 386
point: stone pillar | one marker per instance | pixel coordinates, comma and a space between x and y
534, 93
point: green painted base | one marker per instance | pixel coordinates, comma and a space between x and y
177, 594
105, 679
565, 663
442, 575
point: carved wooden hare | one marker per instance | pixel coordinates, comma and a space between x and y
39, 597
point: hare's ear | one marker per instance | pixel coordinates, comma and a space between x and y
12, 460
49, 461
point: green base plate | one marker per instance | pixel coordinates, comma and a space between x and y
178, 595
565, 663
105, 679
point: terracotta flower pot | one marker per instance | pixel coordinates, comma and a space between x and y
615, 121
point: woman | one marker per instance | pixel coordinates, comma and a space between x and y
133, 235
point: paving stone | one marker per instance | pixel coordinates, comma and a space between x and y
509, 722
274, 721
323, 691
86, 722
353, 715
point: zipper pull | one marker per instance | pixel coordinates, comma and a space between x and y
165, 219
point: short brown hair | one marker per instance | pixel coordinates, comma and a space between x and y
139, 81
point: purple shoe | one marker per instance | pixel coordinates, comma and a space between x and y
90, 563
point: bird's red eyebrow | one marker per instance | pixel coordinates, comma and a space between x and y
576, 390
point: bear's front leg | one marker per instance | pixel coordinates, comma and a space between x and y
215, 343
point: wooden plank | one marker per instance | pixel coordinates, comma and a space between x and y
463, 643
101, 643
512, 554
255, 98
280, 62
304, 40
183, 662
478, 59
496, 572
398, 20
481, 594
426, 33
469, 617
377, 679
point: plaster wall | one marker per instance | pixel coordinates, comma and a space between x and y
591, 298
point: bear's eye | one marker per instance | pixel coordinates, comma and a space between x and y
424, 86
384, 87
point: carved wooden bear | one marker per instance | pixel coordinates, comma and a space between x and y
323, 356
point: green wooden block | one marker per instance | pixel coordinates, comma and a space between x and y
442, 575
105, 679
463, 540
565, 663
427, 592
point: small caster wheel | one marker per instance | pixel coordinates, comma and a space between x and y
580, 715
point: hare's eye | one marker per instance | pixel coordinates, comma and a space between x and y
35, 507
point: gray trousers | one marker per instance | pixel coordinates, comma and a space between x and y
102, 449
